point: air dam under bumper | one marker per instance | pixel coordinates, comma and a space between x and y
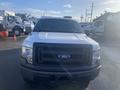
36, 75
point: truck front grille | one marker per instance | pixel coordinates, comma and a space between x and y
65, 54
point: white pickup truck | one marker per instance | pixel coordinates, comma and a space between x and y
56, 49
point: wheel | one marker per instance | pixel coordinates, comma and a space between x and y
28, 81
17, 32
26, 78
30, 84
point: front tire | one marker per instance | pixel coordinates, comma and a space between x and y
17, 31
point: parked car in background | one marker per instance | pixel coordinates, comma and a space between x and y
28, 25
15, 24
93, 29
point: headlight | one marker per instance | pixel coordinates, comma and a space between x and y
27, 54
96, 56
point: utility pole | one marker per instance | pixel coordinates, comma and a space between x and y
86, 15
81, 18
91, 17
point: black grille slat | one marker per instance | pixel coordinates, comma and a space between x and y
48, 54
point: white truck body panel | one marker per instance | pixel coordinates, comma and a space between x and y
63, 38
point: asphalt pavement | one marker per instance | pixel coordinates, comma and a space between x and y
11, 79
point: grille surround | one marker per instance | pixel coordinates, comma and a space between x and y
40, 51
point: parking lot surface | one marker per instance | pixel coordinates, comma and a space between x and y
10, 76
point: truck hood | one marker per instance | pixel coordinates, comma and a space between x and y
64, 38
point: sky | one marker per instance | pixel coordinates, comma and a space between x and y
74, 8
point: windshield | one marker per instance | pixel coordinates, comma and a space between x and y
57, 25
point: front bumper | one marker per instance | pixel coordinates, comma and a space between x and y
32, 74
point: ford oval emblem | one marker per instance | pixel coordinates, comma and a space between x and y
64, 56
